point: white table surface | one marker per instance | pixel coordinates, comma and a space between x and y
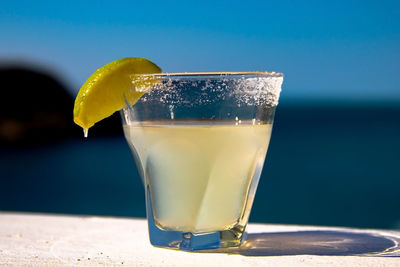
61, 240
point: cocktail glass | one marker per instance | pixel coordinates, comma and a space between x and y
199, 141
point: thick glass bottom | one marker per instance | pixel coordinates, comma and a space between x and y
190, 241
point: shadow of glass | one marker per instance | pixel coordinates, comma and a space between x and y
327, 243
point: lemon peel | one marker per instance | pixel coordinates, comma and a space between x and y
107, 89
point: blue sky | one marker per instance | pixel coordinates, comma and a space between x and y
329, 49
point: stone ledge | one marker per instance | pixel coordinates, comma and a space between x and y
59, 240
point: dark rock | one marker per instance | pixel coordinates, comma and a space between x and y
35, 108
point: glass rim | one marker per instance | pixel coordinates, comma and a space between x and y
214, 74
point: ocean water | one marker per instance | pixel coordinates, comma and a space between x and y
335, 165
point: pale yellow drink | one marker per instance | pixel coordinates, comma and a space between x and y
199, 173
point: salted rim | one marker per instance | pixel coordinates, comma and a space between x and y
228, 73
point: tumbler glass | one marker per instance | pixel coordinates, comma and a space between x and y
199, 141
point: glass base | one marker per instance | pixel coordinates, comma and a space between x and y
190, 241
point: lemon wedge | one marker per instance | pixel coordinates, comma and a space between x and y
106, 90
